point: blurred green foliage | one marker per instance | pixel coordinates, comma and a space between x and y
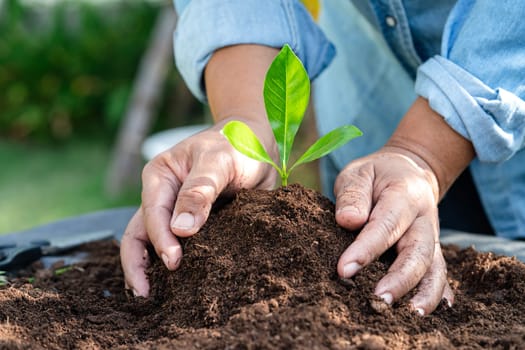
41, 183
67, 69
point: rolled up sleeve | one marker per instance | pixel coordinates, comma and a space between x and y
478, 82
207, 25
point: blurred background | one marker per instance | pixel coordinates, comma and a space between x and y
82, 84
67, 74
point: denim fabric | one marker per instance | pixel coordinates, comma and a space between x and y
364, 85
207, 25
466, 57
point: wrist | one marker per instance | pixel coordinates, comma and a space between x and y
260, 127
425, 136
234, 80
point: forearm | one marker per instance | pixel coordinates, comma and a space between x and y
234, 80
423, 132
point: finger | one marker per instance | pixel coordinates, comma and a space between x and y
448, 295
134, 256
433, 287
414, 259
206, 180
353, 191
389, 220
160, 186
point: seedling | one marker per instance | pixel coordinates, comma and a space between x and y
62, 270
286, 95
3, 279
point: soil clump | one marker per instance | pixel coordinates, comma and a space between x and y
261, 274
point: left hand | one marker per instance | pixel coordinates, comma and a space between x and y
392, 195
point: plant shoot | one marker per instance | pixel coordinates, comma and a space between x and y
286, 95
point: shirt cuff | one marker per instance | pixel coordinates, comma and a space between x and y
207, 25
492, 119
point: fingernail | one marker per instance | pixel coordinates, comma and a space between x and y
351, 269
166, 260
420, 311
135, 293
387, 298
449, 302
177, 263
184, 221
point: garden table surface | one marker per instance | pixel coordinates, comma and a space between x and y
118, 218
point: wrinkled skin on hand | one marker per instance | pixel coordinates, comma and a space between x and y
179, 187
392, 194
392, 197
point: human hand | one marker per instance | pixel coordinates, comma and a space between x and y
392, 195
179, 188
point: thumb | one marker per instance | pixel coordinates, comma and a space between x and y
196, 196
353, 191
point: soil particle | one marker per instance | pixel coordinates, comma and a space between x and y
261, 275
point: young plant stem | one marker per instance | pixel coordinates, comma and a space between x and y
286, 94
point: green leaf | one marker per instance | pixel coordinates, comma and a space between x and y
286, 94
62, 270
329, 142
243, 139
3, 279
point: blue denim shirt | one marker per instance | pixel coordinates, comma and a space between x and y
466, 57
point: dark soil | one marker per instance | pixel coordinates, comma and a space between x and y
261, 275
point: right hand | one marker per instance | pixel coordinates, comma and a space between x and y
179, 187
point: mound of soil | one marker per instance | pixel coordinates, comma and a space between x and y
260, 275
